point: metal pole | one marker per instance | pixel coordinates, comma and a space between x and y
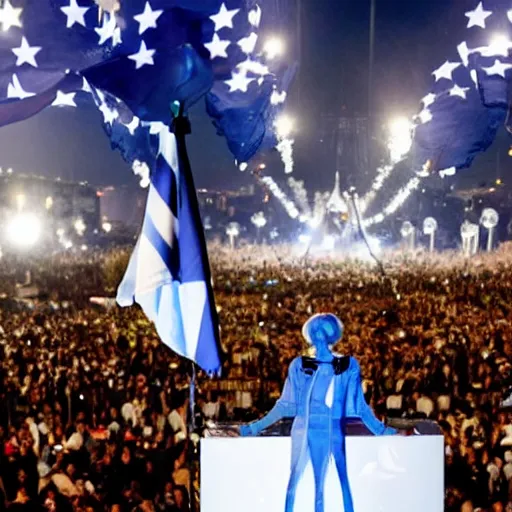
490, 239
432, 236
299, 47
373, 11
194, 505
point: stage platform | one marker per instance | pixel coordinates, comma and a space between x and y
387, 474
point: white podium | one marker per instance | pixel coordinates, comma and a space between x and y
387, 474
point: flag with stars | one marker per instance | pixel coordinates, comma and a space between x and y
469, 101
134, 59
145, 54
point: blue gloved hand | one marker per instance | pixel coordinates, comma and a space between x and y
392, 432
246, 430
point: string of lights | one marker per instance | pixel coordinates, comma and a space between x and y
399, 145
277, 192
396, 202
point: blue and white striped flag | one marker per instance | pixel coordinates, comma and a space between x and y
168, 273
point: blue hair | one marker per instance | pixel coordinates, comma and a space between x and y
326, 328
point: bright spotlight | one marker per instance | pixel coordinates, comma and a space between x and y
284, 126
24, 230
20, 201
274, 47
499, 46
304, 239
49, 202
107, 227
400, 140
80, 226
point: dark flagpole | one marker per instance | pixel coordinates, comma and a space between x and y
371, 59
181, 128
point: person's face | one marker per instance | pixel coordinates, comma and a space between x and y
70, 470
22, 476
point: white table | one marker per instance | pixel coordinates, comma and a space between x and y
387, 474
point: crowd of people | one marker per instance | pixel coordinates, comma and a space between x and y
94, 410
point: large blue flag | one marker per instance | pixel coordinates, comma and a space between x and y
134, 59
470, 98
145, 54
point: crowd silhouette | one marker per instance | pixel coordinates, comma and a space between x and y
94, 410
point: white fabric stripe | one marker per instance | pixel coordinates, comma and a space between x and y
159, 212
169, 150
152, 271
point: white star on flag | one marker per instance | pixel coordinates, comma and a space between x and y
247, 44
74, 13
425, 116
446, 70
254, 66
239, 82
255, 16
133, 125
217, 47
10, 16
109, 116
26, 53
499, 68
107, 30
428, 100
143, 56
147, 18
478, 16
459, 91
224, 18
15, 90
64, 99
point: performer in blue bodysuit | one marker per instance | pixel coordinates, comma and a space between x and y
320, 394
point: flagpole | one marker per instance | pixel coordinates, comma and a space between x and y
181, 128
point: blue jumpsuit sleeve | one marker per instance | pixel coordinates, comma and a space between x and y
356, 406
286, 406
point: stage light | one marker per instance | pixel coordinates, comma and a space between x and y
24, 230
400, 138
20, 201
259, 220
107, 227
284, 126
500, 45
48, 202
304, 239
79, 226
273, 47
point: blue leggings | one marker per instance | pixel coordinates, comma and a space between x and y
321, 442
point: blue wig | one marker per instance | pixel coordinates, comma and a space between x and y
323, 328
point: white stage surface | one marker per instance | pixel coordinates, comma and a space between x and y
387, 474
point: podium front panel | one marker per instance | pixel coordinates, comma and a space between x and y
387, 474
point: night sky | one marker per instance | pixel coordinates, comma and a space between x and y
413, 37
